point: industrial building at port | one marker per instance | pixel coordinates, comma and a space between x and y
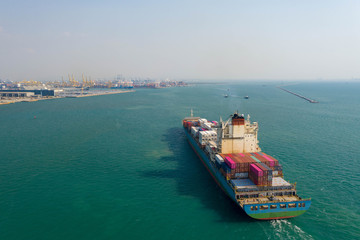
27, 91
15, 93
85, 84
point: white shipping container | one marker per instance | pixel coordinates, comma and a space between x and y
202, 120
207, 126
206, 136
219, 159
194, 130
202, 136
212, 144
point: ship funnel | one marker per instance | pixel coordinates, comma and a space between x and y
238, 119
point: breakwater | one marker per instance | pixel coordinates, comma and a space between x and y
300, 96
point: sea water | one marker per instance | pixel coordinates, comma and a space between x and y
119, 166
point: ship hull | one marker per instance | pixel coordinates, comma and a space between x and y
259, 214
213, 172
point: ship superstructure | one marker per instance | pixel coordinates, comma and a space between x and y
254, 180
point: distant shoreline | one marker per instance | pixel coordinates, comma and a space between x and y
100, 94
17, 100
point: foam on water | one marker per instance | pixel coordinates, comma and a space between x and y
284, 229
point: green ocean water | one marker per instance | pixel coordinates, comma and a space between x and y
119, 166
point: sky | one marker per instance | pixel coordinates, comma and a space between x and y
180, 40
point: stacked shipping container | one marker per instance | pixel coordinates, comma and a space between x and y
189, 124
207, 136
256, 174
246, 165
195, 131
260, 174
206, 124
269, 161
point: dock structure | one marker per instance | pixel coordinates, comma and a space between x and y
21, 96
298, 95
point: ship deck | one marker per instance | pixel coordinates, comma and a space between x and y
267, 200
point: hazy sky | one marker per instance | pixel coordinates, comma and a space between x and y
180, 39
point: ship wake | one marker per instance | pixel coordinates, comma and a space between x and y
284, 229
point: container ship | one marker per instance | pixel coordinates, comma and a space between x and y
251, 178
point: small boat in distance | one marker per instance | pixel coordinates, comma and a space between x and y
227, 94
246, 97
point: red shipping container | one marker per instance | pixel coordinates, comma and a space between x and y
255, 169
230, 162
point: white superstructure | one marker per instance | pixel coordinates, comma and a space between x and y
238, 135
